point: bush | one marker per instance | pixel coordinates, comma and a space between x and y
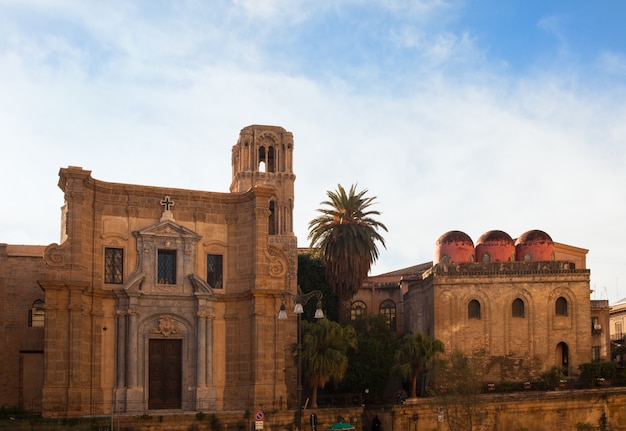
592, 371
552, 377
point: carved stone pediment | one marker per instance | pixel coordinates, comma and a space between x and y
167, 228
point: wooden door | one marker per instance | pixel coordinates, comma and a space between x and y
165, 385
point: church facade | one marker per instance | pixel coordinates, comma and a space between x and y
159, 298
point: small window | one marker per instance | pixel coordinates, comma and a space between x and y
37, 315
358, 311
114, 265
167, 267
486, 257
214, 274
595, 324
527, 257
619, 334
518, 308
388, 309
473, 310
445, 258
561, 306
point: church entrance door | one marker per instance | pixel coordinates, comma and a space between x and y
165, 385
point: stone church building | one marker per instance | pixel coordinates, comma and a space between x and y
161, 299
157, 298
522, 304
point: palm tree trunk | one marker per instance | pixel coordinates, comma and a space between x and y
314, 397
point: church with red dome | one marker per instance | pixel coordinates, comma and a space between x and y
521, 303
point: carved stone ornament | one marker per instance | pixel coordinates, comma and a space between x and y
277, 262
166, 327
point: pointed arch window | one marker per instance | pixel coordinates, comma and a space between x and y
561, 306
271, 159
388, 309
473, 310
517, 308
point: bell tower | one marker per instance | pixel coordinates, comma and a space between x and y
263, 156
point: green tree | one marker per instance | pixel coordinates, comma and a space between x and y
325, 347
459, 384
414, 354
311, 277
346, 235
370, 366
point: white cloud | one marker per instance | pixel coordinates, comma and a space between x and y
468, 150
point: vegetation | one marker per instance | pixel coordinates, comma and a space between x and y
552, 377
346, 235
325, 347
370, 366
592, 372
458, 385
311, 277
415, 352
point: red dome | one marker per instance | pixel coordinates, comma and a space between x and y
495, 246
534, 245
454, 247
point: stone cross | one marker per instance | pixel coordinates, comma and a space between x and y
167, 203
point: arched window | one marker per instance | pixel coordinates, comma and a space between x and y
37, 314
518, 308
358, 311
262, 162
445, 258
388, 309
486, 257
527, 257
561, 306
473, 310
271, 160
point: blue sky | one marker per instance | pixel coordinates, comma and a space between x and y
457, 115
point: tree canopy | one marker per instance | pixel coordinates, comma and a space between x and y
346, 234
325, 347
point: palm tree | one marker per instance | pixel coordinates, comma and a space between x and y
413, 355
325, 353
346, 235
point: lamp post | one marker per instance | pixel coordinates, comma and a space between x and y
300, 299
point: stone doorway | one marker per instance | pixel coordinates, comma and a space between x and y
165, 372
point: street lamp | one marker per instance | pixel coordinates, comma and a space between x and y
300, 299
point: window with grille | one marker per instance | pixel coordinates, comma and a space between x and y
214, 274
113, 265
37, 315
518, 308
561, 306
358, 311
388, 309
473, 310
167, 267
